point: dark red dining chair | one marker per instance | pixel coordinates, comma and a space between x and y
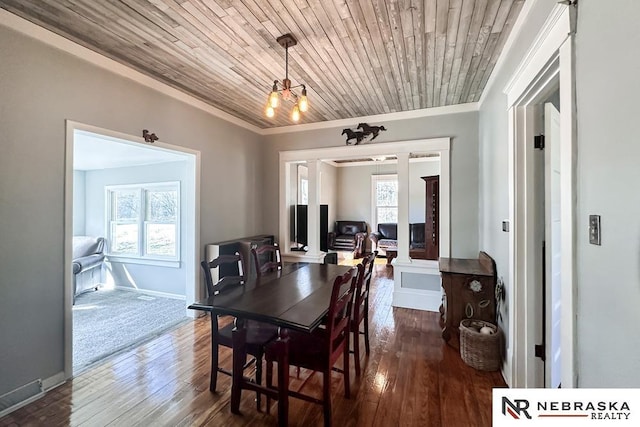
321, 349
258, 334
360, 312
266, 258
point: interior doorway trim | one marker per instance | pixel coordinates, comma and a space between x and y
192, 252
440, 146
550, 61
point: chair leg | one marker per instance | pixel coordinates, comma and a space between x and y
214, 358
269, 382
347, 384
326, 395
366, 327
356, 349
258, 380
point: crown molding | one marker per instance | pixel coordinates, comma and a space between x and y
508, 46
387, 117
553, 32
52, 39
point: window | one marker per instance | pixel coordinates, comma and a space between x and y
384, 199
142, 220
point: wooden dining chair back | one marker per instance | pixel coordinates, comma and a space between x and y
320, 350
214, 287
360, 312
258, 334
266, 258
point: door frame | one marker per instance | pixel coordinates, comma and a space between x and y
549, 62
551, 190
192, 252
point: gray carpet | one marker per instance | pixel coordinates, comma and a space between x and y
108, 321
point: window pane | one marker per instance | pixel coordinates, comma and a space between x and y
162, 206
387, 215
124, 238
161, 239
387, 193
126, 204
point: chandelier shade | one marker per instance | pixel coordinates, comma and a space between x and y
283, 89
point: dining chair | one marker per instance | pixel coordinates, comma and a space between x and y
270, 253
360, 312
258, 334
320, 350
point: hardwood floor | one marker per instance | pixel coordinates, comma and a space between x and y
411, 378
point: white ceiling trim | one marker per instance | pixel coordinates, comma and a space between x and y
403, 115
32, 30
430, 145
43, 35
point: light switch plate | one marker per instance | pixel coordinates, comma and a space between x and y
505, 226
594, 229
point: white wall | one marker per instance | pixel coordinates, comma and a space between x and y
329, 190
354, 199
608, 276
494, 179
40, 88
461, 127
607, 70
355, 189
79, 203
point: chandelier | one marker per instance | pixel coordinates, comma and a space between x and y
284, 89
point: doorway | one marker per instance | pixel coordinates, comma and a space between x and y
547, 66
142, 200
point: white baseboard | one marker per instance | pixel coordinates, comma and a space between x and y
53, 381
152, 293
34, 391
303, 257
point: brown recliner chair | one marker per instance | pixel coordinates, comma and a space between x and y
349, 236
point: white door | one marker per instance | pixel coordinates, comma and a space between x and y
552, 238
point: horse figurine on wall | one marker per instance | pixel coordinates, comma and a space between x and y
351, 135
370, 130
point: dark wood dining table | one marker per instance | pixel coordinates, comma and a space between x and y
295, 298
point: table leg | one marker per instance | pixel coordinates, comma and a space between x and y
282, 344
239, 339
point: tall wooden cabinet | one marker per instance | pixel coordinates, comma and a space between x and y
432, 217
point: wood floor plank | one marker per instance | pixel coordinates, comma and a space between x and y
411, 378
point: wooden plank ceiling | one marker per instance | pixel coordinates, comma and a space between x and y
356, 57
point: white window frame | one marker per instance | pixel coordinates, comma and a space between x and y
142, 257
374, 206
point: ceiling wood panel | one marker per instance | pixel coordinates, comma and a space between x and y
356, 57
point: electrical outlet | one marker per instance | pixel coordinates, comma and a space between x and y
594, 229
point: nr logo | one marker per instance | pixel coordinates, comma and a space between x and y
516, 409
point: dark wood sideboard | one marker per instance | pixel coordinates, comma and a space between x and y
469, 292
242, 245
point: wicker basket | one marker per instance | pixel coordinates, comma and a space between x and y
480, 351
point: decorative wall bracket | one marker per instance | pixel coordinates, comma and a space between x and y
149, 137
